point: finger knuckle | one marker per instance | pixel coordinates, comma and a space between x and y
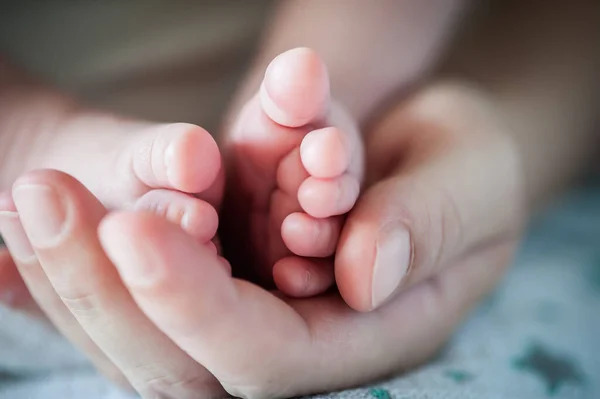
423, 215
435, 221
30, 269
450, 224
80, 303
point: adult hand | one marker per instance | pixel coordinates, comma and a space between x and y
51, 230
255, 343
444, 184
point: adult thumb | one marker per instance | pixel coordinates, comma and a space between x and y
418, 220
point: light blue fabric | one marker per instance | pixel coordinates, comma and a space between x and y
537, 337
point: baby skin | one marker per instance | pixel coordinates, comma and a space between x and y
295, 162
131, 288
296, 166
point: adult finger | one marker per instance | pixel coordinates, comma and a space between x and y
456, 188
37, 284
357, 348
198, 305
61, 219
292, 348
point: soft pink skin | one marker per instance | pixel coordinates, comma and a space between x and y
295, 90
294, 152
171, 169
173, 316
198, 218
155, 166
59, 287
302, 277
179, 156
326, 153
180, 307
160, 167
308, 236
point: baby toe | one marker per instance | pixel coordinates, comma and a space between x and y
295, 90
197, 217
302, 277
291, 173
322, 198
326, 153
307, 236
179, 156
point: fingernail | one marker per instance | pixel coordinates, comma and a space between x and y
42, 212
392, 261
15, 237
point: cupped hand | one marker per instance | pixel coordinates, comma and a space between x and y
444, 184
179, 322
51, 228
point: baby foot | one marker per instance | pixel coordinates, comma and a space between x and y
161, 169
173, 170
296, 165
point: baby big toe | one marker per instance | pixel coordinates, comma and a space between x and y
295, 90
179, 156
